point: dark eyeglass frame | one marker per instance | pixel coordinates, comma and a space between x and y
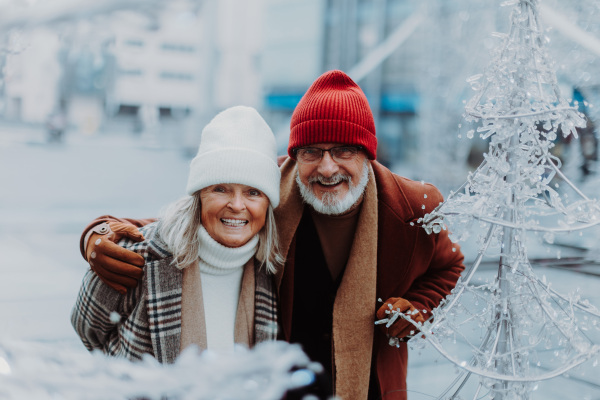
332, 152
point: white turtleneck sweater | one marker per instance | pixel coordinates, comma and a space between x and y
221, 271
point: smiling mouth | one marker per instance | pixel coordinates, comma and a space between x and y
234, 223
328, 183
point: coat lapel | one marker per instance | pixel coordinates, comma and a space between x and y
395, 215
164, 309
390, 194
164, 284
288, 215
289, 212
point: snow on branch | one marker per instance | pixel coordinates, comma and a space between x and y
42, 371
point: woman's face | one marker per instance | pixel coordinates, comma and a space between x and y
233, 213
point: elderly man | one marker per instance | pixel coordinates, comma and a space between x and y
348, 231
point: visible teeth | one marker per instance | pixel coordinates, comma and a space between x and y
234, 222
330, 183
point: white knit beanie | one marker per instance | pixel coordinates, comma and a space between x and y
237, 146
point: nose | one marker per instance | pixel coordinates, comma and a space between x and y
236, 202
327, 167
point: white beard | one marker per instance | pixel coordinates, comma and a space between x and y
330, 204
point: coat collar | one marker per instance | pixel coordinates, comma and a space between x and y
390, 193
164, 282
155, 246
164, 288
289, 212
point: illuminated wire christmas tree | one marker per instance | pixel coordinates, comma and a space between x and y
515, 330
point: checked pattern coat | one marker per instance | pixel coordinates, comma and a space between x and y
147, 319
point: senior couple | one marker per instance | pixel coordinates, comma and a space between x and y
296, 248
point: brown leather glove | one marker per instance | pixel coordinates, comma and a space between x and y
401, 327
119, 268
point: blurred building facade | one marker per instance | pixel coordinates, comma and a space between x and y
31, 76
183, 63
304, 38
187, 67
156, 69
189, 64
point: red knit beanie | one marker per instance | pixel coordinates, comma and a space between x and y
333, 110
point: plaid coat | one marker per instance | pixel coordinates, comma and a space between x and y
147, 320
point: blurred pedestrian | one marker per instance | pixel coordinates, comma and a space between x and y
56, 123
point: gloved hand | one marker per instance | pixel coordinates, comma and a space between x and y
119, 268
401, 327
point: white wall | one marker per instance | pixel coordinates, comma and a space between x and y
32, 75
294, 33
238, 39
154, 54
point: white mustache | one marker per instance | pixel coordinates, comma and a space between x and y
332, 180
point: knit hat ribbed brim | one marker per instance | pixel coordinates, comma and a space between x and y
237, 146
333, 110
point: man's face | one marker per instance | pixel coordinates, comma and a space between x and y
330, 186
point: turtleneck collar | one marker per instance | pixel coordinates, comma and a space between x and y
216, 259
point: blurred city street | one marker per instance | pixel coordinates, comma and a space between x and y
49, 192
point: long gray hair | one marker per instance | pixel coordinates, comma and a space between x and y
179, 224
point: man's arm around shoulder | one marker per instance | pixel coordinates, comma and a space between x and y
116, 266
138, 223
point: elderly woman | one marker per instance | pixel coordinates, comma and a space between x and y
209, 258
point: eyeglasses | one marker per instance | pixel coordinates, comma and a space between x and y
311, 155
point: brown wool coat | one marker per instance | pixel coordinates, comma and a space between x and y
389, 258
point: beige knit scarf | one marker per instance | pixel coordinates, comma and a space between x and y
355, 302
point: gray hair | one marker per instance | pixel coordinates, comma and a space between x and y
179, 224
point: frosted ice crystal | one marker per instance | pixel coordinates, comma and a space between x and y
515, 330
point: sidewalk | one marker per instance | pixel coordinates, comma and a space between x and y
48, 193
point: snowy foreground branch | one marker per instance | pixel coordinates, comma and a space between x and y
42, 371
